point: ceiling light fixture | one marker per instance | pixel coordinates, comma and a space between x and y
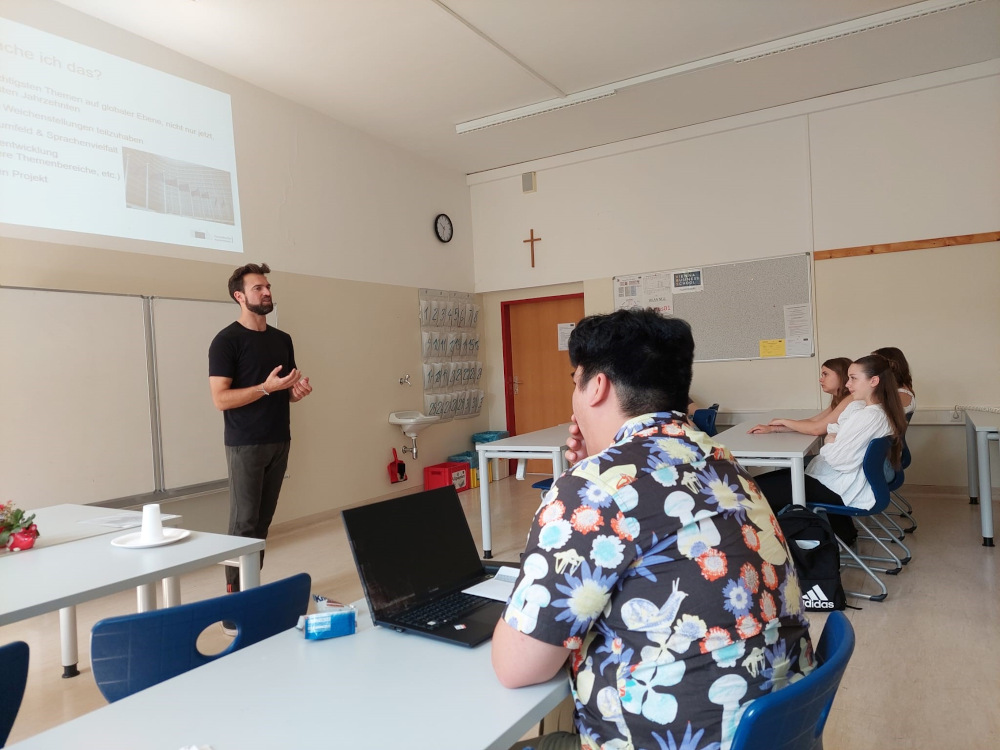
797, 41
848, 28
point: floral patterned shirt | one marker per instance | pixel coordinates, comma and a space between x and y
661, 566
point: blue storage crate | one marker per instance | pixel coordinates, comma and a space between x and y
469, 457
489, 436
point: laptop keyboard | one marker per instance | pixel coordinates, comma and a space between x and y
436, 614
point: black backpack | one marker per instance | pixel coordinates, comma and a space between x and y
816, 555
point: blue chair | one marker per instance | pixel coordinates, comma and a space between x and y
793, 717
704, 419
134, 652
873, 466
13, 678
902, 507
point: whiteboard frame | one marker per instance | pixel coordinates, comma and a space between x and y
158, 491
151, 410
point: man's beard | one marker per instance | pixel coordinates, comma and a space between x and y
262, 309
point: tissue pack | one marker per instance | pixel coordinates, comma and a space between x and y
331, 623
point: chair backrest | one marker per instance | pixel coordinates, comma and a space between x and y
793, 717
704, 419
906, 457
873, 465
134, 652
13, 678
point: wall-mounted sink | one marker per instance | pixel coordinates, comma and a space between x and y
411, 422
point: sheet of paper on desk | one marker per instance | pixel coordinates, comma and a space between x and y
123, 520
499, 587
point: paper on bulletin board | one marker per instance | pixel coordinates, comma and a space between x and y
772, 348
688, 280
628, 291
564, 330
645, 290
798, 330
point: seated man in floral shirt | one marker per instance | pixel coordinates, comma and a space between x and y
654, 565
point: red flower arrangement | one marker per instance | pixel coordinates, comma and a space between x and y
17, 530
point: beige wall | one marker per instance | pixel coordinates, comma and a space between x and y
316, 197
345, 223
354, 340
910, 160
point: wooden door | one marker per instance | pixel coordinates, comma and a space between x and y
537, 374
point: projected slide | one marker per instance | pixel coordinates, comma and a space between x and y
93, 143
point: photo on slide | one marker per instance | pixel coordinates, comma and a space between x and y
169, 186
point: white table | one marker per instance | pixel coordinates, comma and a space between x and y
61, 576
783, 449
546, 444
373, 690
981, 428
68, 522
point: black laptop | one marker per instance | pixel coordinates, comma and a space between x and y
415, 554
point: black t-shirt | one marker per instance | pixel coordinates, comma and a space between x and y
248, 357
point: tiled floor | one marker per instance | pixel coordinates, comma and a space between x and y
925, 672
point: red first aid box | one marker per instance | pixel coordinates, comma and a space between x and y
450, 472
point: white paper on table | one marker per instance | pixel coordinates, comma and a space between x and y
499, 587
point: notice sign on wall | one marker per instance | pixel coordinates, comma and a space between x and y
562, 335
645, 290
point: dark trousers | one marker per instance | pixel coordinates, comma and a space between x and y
777, 488
255, 476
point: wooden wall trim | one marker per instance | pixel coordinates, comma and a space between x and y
898, 247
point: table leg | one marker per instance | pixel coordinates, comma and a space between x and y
558, 464
970, 459
171, 591
484, 508
67, 641
985, 487
249, 571
798, 481
522, 464
146, 597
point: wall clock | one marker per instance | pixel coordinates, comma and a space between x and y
443, 228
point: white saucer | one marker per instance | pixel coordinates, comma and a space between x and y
134, 540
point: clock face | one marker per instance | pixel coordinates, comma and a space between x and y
443, 228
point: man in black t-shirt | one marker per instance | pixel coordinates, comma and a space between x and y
253, 377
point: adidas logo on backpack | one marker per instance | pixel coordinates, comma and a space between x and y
814, 598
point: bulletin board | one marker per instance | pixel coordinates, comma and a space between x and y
755, 309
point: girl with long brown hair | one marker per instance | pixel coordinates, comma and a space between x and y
833, 380
836, 475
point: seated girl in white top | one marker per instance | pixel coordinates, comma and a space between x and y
836, 476
833, 380
901, 369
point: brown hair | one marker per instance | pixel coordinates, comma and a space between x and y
236, 280
886, 394
900, 367
838, 366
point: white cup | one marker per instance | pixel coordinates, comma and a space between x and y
152, 525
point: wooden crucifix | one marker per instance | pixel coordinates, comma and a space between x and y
532, 239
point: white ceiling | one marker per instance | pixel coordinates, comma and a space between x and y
408, 71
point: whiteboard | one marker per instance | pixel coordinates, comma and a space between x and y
756, 309
191, 428
75, 423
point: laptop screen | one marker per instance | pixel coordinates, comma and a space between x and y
410, 548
